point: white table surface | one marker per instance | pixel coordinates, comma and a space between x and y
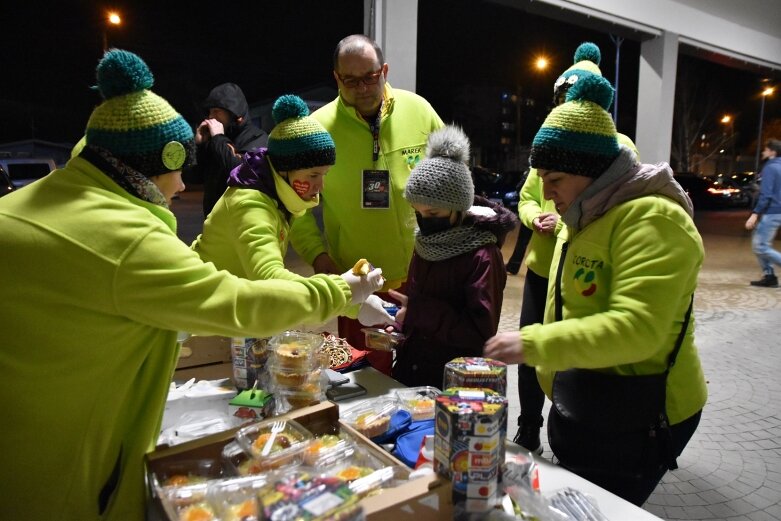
552, 477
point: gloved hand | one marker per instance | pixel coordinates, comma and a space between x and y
364, 285
372, 312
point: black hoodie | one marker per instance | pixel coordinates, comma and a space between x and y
215, 158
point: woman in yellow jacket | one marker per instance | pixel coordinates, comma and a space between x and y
623, 276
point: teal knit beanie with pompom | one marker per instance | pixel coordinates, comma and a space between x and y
298, 141
578, 137
135, 125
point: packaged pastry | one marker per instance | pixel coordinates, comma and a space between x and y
295, 349
236, 499
288, 400
273, 443
284, 377
480, 373
187, 472
371, 417
419, 401
381, 340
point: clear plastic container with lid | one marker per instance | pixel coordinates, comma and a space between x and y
273, 443
381, 340
420, 402
236, 499
295, 350
371, 417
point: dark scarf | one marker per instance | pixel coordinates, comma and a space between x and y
132, 181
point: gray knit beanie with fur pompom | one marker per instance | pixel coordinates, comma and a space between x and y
442, 178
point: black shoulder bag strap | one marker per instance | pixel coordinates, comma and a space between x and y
558, 304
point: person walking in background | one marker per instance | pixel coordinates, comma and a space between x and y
247, 232
380, 134
615, 353
101, 285
765, 219
539, 215
456, 278
221, 139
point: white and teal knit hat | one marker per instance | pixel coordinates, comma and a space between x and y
585, 63
442, 178
578, 137
134, 124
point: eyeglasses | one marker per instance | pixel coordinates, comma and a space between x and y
370, 79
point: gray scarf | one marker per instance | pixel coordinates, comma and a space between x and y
623, 181
451, 243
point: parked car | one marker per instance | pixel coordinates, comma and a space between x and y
24, 171
6, 186
746, 181
710, 194
498, 187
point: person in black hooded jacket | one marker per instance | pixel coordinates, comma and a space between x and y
221, 140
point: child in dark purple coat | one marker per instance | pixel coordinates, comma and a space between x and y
457, 273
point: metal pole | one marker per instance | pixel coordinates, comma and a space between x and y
617, 41
759, 135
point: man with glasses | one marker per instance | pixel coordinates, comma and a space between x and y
380, 134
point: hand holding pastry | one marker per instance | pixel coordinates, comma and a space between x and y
363, 285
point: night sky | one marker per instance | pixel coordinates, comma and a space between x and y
469, 52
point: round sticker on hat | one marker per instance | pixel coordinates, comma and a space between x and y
173, 155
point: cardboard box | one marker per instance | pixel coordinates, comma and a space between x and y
204, 358
427, 496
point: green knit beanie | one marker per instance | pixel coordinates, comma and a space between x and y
298, 141
578, 137
586, 63
135, 125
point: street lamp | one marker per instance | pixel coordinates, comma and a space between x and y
729, 137
112, 19
765, 93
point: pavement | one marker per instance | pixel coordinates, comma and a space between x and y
731, 468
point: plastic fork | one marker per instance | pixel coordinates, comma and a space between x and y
276, 428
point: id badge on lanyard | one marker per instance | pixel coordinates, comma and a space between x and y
375, 184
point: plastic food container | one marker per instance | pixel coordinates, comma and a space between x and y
236, 499
189, 502
420, 402
273, 443
287, 400
381, 340
188, 472
295, 349
282, 377
371, 417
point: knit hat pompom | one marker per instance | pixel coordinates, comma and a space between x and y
578, 137
588, 51
592, 88
450, 142
298, 141
134, 124
288, 106
587, 58
121, 72
442, 179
